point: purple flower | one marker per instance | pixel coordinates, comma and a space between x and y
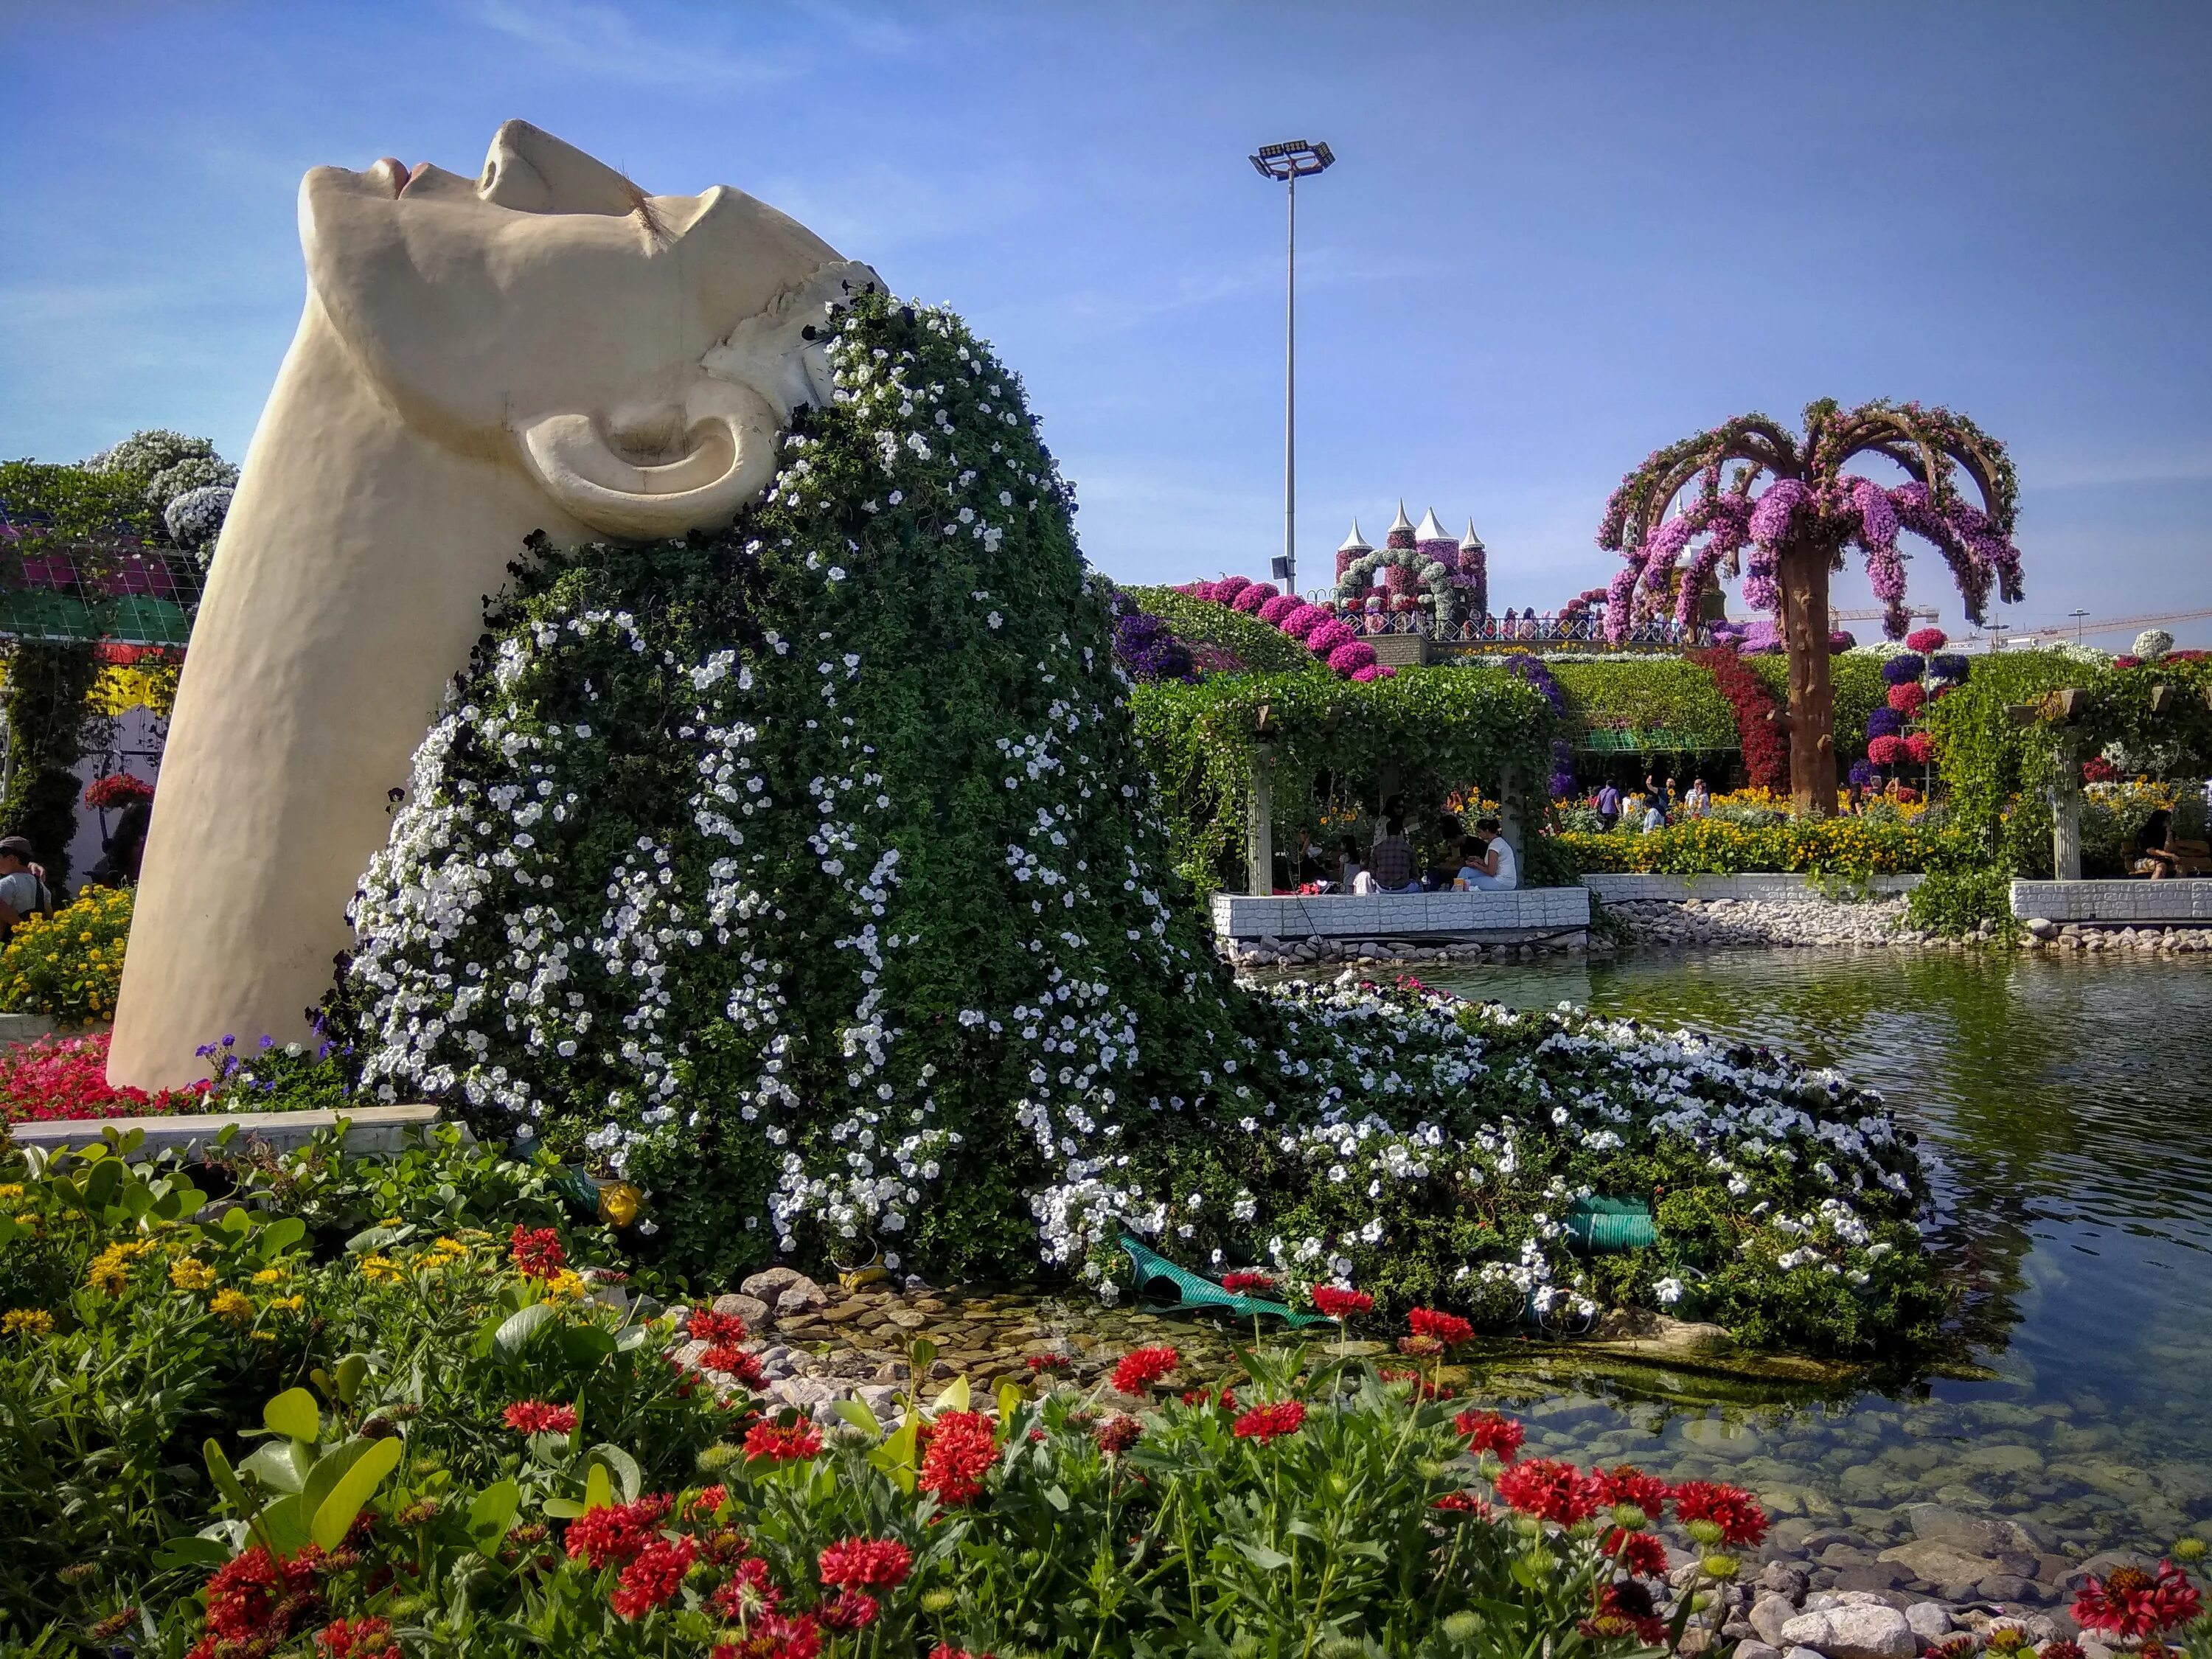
1777, 506
1904, 668
1884, 722
1950, 666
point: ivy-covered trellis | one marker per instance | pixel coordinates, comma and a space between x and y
1797, 527
1423, 734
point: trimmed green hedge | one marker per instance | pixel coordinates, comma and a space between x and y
1260, 648
1653, 694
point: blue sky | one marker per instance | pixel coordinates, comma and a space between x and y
1558, 235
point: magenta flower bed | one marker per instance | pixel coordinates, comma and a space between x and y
1314, 626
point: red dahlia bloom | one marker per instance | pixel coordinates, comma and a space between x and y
616, 1531
2128, 1601
538, 1417
1639, 1552
1492, 1431
1337, 1303
733, 1361
654, 1575
1142, 1367
1447, 1328
961, 1452
1731, 1508
707, 1326
1550, 1489
1624, 1483
1265, 1423
783, 1444
1240, 1283
746, 1593
536, 1251
852, 1610
879, 1561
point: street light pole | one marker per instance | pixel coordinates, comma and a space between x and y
2077, 616
1288, 163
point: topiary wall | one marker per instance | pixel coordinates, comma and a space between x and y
1253, 644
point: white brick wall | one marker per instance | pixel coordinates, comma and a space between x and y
2120, 901
1400, 916
1626, 888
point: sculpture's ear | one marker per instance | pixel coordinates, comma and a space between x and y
690, 466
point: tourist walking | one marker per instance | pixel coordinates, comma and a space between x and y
1608, 806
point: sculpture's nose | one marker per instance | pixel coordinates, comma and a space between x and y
533, 171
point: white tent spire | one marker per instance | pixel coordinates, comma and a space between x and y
1470, 543
1354, 542
1430, 531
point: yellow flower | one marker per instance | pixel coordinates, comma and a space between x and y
264, 1336
564, 1286
11, 1191
109, 1273
267, 1276
235, 1305
189, 1274
291, 1304
382, 1269
27, 1321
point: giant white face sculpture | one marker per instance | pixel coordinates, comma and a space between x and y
542, 347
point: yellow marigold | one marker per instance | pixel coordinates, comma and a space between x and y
188, 1273
565, 1285
267, 1276
263, 1336
109, 1273
233, 1305
27, 1321
11, 1191
291, 1304
382, 1269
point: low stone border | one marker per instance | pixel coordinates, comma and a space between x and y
2044, 934
1270, 952
1508, 916
2118, 903
370, 1129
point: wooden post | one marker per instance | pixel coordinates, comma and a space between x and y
1260, 824
2066, 813
1803, 573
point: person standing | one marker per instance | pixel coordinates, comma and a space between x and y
1699, 802
23, 892
1608, 806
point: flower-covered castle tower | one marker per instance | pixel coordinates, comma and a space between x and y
1424, 565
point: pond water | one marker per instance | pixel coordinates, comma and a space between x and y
2070, 1107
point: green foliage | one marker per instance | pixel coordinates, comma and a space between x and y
49, 723
166, 1321
1253, 644
1441, 730
1647, 696
81, 502
1849, 847
1855, 682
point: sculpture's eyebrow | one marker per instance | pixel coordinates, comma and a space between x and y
649, 221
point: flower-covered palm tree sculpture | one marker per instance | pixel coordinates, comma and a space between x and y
1790, 501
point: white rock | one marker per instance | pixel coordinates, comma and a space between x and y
1855, 1632
1930, 1621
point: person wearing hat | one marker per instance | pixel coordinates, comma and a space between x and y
23, 885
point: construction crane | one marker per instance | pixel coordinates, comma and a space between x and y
2078, 629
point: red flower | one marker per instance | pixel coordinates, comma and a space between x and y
783, 1444
1550, 1489
1265, 1423
536, 1417
1492, 1431
1142, 1367
1447, 1328
1462, 1503
941, 1651
1046, 1362
1240, 1283
746, 1593
357, 1638
961, 1452
1626, 1609
536, 1251
654, 1574
1627, 1484
1418, 1346
707, 1326
880, 1561
1425, 1389
1731, 1508
1639, 1552
2128, 1601
1336, 1303
774, 1637
708, 1503
734, 1361
616, 1531
852, 1610
251, 1598
1117, 1434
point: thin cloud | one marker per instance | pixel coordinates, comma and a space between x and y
604, 41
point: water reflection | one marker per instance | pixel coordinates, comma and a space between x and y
2070, 1107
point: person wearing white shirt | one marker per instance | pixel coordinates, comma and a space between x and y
1499, 871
